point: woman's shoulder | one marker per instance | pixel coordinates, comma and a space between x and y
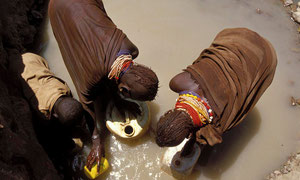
183, 81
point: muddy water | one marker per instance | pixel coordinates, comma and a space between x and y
170, 34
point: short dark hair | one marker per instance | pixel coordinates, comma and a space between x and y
173, 127
69, 111
148, 79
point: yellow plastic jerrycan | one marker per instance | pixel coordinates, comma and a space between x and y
93, 174
130, 127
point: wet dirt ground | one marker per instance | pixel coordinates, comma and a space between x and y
170, 35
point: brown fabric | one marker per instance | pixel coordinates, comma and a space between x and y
88, 40
45, 87
233, 73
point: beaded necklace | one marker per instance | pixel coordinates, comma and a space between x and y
197, 108
120, 66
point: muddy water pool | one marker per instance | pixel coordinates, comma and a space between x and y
170, 34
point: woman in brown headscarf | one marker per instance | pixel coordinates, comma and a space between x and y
98, 55
218, 90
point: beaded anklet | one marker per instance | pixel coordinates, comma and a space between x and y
198, 108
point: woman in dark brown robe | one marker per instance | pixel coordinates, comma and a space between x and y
230, 76
90, 43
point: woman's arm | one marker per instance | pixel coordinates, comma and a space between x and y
97, 151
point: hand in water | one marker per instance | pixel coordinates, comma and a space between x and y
97, 152
188, 147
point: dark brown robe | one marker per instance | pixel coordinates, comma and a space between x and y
233, 73
88, 41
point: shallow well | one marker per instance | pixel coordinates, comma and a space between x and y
170, 34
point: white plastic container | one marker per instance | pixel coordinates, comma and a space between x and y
128, 128
177, 166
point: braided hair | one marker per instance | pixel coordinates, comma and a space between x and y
173, 127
